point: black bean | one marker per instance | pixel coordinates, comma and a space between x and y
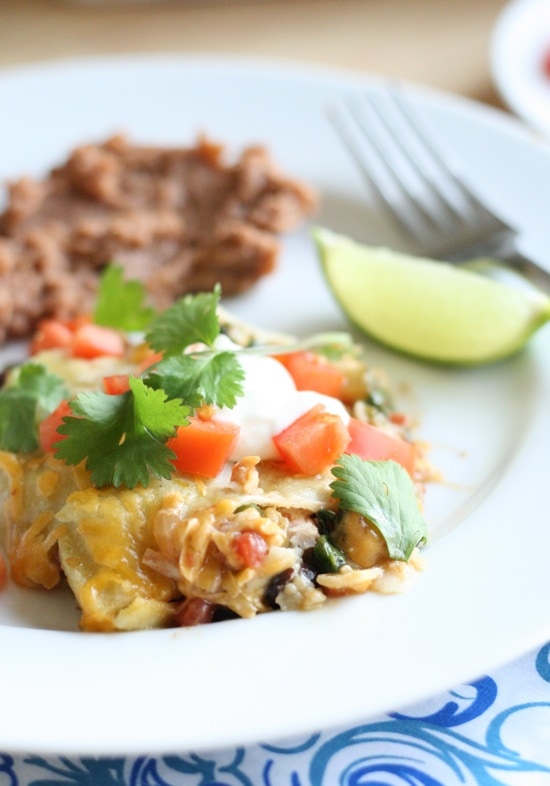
309, 568
274, 586
222, 613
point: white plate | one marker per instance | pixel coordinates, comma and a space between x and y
519, 45
483, 597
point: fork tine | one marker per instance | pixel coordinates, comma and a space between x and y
475, 232
443, 163
343, 128
409, 126
411, 177
354, 131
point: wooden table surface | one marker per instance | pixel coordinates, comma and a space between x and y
441, 43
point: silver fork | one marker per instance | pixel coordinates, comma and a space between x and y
424, 194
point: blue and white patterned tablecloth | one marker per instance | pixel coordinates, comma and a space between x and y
494, 731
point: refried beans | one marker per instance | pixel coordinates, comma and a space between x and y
179, 219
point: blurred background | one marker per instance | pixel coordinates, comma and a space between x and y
441, 43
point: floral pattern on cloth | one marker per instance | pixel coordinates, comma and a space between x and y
494, 731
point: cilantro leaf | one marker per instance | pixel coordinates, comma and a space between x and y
203, 378
382, 492
155, 412
32, 394
47, 389
17, 421
122, 438
192, 319
121, 304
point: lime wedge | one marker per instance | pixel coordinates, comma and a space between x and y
426, 308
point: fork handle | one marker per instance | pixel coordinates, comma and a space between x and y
508, 261
512, 268
534, 273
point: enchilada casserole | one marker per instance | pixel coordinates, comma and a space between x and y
187, 468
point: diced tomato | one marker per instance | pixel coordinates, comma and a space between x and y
93, 341
311, 372
203, 447
371, 443
3, 572
250, 547
79, 336
51, 334
149, 360
79, 321
115, 384
313, 442
47, 430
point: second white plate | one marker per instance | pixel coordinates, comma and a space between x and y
520, 47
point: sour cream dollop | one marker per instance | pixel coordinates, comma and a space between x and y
270, 403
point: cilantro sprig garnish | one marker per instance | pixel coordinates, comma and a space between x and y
382, 492
204, 378
120, 303
31, 394
122, 439
193, 319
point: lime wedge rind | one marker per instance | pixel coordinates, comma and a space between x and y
426, 308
